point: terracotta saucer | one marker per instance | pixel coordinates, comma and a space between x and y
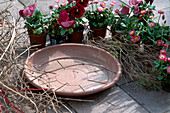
72, 70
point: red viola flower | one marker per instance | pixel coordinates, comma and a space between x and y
76, 11
64, 20
125, 10
70, 1
147, 1
29, 11
137, 11
135, 3
82, 3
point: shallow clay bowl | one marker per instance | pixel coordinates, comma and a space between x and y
72, 70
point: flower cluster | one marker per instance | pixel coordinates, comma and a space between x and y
161, 43
65, 16
34, 21
149, 29
162, 66
140, 18
99, 14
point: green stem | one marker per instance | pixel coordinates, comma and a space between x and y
159, 18
92, 6
153, 33
96, 6
138, 32
145, 20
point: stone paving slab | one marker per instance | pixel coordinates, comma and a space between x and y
153, 101
124, 79
113, 100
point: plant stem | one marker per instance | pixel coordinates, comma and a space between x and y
159, 18
92, 6
96, 6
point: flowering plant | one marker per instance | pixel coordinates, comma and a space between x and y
34, 21
140, 24
162, 66
65, 17
99, 16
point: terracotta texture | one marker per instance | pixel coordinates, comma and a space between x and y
38, 39
72, 70
76, 37
98, 31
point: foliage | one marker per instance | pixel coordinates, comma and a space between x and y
162, 67
142, 20
65, 17
99, 16
34, 21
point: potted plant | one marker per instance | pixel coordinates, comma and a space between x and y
64, 20
140, 25
35, 23
77, 35
99, 18
162, 67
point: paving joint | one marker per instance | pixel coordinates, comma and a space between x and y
70, 107
134, 99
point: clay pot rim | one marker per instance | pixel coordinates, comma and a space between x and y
30, 31
81, 93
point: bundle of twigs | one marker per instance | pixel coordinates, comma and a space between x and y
137, 60
16, 95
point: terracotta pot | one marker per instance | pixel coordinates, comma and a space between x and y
98, 31
58, 39
165, 87
38, 39
76, 37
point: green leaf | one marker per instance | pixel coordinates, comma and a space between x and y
100, 24
157, 65
70, 31
38, 31
63, 31
123, 24
160, 77
119, 31
165, 68
85, 20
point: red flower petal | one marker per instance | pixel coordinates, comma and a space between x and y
26, 12
76, 11
147, 1
21, 13
68, 24
135, 3
70, 1
63, 16
32, 9
125, 10
137, 11
82, 3
29, 11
